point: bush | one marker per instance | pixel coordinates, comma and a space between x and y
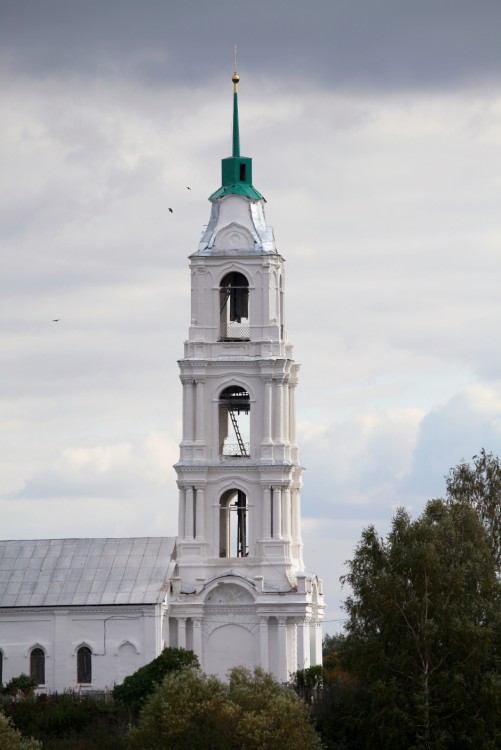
12, 739
135, 689
22, 682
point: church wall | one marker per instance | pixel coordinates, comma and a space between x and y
120, 640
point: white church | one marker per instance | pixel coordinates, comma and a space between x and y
84, 613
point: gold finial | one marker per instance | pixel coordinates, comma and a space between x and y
235, 77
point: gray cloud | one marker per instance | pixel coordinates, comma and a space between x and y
388, 44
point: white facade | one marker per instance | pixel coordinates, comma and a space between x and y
119, 643
240, 592
82, 614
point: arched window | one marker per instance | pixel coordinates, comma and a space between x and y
234, 308
84, 665
234, 422
233, 524
37, 665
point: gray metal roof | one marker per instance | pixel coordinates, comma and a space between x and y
65, 572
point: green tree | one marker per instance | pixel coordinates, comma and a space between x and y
479, 486
136, 687
11, 739
22, 682
423, 633
250, 712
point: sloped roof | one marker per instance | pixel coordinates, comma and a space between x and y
66, 572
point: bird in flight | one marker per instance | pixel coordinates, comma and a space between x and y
171, 211
56, 320
188, 188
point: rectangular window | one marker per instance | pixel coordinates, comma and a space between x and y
243, 172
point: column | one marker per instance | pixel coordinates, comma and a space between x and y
197, 637
318, 642
181, 632
188, 409
267, 530
283, 674
200, 413
267, 426
181, 513
285, 395
292, 413
216, 508
303, 642
296, 516
189, 520
277, 513
279, 412
263, 643
286, 513
200, 513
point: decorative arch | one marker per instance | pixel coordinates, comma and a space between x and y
234, 421
234, 237
233, 523
127, 642
234, 307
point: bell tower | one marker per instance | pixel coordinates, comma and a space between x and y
240, 594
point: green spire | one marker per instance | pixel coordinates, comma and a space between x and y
236, 131
236, 170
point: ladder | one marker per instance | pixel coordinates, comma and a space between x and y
240, 442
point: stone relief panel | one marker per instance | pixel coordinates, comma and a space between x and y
234, 237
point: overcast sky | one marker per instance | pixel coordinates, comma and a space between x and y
375, 129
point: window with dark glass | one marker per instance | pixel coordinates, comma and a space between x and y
84, 664
1, 669
37, 665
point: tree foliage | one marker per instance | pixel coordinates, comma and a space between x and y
12, 739
22, 682
479, 486
136, 687
423, 632
250, 712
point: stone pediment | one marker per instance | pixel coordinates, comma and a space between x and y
232, 238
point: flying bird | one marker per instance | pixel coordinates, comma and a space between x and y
188, 188
56, 320
171, 211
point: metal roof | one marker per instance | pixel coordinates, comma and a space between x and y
65, 572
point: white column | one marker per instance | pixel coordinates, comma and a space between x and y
292, 413
263, 643
251, 524
267, 426
181, 632
189, 520
188, 410
217, 528
200, 413
294, 518
267, 530
277, 513
200, 513
279, 412
286, 513
181, 513
303, 642
197, 637
285, 396
283, 674
318, 642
